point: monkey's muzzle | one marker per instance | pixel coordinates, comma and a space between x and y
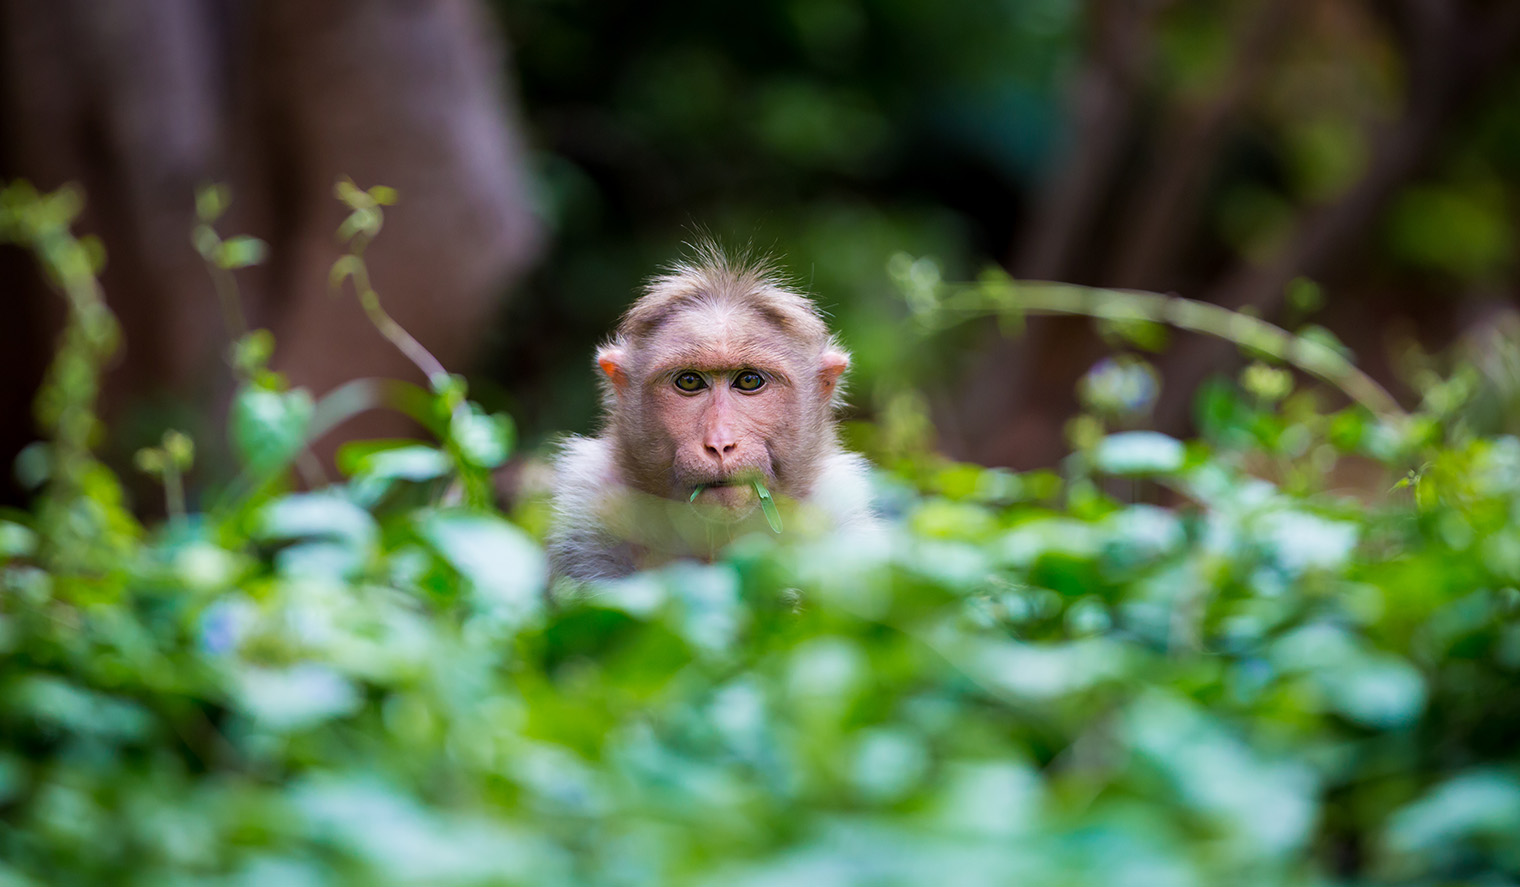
726, 499
736, 497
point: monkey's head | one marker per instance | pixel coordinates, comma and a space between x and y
720, 375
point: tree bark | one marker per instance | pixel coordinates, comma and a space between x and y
140, 103
1451, 58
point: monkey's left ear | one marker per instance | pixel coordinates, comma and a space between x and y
831, 366
611, 360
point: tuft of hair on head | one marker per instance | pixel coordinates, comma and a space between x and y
712, 276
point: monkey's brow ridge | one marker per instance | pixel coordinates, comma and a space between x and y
709, 357
672, 368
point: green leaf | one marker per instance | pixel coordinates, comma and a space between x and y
34, 465
767, 505
241, 252
996, 799
342, 269
205, 241
1378, 691
1145, 334
483, 440
1026, 543
1140, 453
398, 838
710, 610
16, 540
1264, 808
505, 569
1369, 687
352, 454
268, 427
361, 221
350, 194
376, 472
211, 201
1465, 231
451, 389
294, 698
1476, 805
1041, 671
61, 704
1300, 541
327, 513
251, 353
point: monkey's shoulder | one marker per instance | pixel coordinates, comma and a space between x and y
580, 543
843, 490
583, 466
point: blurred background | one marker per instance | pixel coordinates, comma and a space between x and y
1349, 163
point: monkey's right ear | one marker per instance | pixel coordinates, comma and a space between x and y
831, 366
612, 361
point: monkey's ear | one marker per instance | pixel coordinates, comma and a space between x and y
612, 361
831, 366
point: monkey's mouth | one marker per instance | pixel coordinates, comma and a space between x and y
723, 488
740, 493
744, 480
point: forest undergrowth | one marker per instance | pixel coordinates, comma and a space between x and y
1167, 662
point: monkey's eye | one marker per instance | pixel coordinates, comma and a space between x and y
749, 380
689, 382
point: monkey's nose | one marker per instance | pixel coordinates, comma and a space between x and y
719, 444
721, 451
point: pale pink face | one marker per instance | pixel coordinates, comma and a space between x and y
718, 395
726, 393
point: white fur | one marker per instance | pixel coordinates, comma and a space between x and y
582, 546
843, 491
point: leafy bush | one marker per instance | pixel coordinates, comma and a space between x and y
1169, 663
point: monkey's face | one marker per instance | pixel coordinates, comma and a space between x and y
727, 410
725, 423
716, 400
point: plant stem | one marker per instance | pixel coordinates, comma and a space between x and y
232, 307
174, 493
1045, 297
390, 329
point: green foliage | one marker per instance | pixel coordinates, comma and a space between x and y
1173, 662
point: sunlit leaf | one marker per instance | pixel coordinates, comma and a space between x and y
241, 252
483, 439
16, 540
1139, 452
322, 514
1479, 806
268, 427
505, 569
211, 201
405, 842
62, 705
1301, 541
294, 698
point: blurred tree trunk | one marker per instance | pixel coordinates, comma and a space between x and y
141, 103
1001, 410
1451, 49
1011, 407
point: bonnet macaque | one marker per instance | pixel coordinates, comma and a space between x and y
719, 388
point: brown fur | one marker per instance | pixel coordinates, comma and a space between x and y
621, 499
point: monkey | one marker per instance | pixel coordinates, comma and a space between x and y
720, 388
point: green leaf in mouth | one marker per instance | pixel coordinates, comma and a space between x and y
768, 505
